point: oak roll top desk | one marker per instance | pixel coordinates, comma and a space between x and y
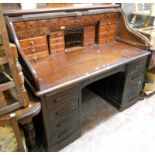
64, 50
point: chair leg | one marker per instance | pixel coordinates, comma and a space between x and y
17, 133
29, 133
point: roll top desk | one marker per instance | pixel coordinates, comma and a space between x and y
63, 51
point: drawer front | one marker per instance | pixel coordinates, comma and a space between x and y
95, 18
64, 133
44, 31
54, 51
70, 22
20, 26
33, 42
57, 46
103, 28
59, 98
54, 24
21, 35
63, 122
32, 24
103, 40
132, 97
102, 17
58, 40
86, 20
107, 34
43, 23
136, 77
90, 29
62, 109
57, 34
135, 86
89, 36
90, 43
36, 56
33, 33
136, 66
36, 49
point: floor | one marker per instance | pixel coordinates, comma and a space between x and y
105, 129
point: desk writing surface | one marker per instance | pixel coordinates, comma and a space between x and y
56, 70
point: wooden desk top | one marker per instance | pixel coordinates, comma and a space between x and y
63, 69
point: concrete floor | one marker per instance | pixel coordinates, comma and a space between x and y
105, 129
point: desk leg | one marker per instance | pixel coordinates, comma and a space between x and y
29, 133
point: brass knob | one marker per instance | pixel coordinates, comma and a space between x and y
35, 58
32, 42
33, 50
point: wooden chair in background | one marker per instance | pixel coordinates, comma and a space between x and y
13, 95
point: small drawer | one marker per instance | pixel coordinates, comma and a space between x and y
44, 23
78, 22
64, 133
136, 77
37, 56
112, 16
33, 42
95, 19
132, 96
113, 27
21, 26
54, 24
103, 40
104, 24
88, 36
57, 34
136, 85
58, 98
128, 102
64, 108
33, 33
57, 46
91, 43
89, 29
102, 17
112, 22
86, 20
32, 24
35, 49
63, 22
59, 40
65, 121
112, 33
21, 35
103, 28
44, 31
136, 65
103, 34
54, 51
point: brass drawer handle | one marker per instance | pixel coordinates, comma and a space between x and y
35, 58
33, 50
32, 42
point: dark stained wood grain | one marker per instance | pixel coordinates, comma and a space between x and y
79, 64
108, 47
